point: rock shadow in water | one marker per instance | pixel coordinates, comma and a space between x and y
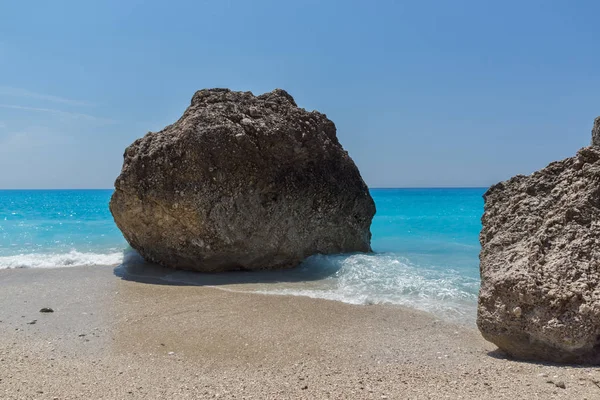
135, 268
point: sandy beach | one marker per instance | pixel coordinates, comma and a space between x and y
110, 338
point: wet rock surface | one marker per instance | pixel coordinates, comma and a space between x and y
242, 182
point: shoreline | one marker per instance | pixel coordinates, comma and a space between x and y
114, 338
132, 267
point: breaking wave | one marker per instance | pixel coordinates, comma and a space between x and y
54, 260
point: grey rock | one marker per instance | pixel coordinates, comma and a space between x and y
242, 182
46, 310
596, 132
540, 262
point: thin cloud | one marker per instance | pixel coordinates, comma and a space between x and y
57, 112
15, 141
34, 140
18, 92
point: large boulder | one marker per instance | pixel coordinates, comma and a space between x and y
540, 262
242, 182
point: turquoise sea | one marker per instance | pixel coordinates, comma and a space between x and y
425, 242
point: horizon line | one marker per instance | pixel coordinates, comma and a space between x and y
376, 188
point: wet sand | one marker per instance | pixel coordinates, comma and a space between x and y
111, 338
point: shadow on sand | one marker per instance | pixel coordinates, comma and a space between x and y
135, 268
501, 355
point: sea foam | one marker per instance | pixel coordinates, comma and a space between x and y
54, 260
375, 278
388, 279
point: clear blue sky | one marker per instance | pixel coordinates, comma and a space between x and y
424, 93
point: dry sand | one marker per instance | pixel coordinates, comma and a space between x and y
115, 339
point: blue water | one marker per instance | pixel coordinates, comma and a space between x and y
49, 228
425, 242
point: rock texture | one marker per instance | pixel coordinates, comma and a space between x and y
596, 132
540, 262
242, 182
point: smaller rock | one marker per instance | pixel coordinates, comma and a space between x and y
32, 322
596, 132
560, 384
171, 353
81, 335
304, 387
46, 310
